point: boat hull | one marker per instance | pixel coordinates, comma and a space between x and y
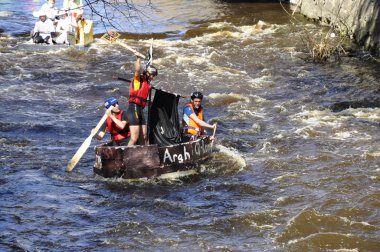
136, 162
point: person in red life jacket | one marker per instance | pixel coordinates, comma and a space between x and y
193, 122
138, 97
116, 124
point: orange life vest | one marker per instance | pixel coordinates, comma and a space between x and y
193, 128
139, 91
118, 134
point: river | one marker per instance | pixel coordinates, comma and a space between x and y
296, 166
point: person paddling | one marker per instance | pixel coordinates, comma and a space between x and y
193, 119
116, 124
138, 97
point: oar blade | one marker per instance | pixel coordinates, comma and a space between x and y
78, 155
213, 136
151, 53
110, 36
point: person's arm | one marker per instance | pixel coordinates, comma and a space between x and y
81, 7
201, 123
50, 26
59, 26
100, 135
36, 28
50, 14
137, 66
136, 77
120, 124
102, 131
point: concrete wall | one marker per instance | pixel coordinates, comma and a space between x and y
360, 19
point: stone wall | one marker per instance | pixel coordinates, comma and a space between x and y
360, 19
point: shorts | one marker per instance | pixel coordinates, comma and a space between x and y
188, 137
135, 115
123, 142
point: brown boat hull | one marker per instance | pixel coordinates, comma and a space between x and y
136, 162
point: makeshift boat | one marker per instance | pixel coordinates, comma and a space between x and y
166, 155
79, 39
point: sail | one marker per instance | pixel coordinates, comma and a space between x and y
163, 119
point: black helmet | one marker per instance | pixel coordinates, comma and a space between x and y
196, 94
152, 70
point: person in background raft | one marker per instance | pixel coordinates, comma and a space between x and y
116, 124
51, 11
193, 120
43, 30
138, 96
74, 8
64, 28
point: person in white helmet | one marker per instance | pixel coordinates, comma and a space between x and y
64, 27
74, 9
50, 10
43, 29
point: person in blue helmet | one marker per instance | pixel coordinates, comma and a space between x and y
116, 124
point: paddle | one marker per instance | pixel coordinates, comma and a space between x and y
150, 56
82, 149
213, 135
112, 37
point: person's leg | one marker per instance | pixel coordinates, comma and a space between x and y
38, 39
123, 142
134, 124
145, 134
186, 137
135, 132
62, 38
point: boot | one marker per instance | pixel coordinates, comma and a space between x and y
46, 40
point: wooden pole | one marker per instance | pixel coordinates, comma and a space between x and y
82, 149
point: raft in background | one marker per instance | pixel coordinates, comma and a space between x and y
80, 39
166, 155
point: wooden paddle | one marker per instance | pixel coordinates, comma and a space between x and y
112, 37
213, 135
150, 57
82, 149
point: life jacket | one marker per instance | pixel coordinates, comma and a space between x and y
118, 134
75, 8
139, 91
193, 128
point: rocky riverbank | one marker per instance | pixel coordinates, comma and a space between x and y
358, 19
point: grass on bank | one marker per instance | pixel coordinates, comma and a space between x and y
324, 45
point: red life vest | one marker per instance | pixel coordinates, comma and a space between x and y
75, 9
118, 134
193, 128
140, 95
